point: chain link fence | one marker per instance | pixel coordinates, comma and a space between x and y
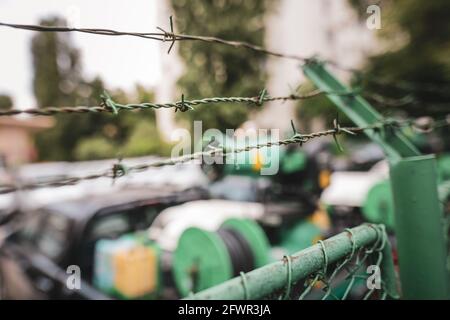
355, 264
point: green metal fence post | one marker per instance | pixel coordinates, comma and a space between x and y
263, 281
418, 216
419, 229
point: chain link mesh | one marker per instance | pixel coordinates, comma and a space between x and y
348, 278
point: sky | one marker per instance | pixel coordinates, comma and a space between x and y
121, 62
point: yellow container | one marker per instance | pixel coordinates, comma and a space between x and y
136, 271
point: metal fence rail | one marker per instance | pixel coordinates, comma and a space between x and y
317, 272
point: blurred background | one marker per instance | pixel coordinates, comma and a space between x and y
403, 70
51, 69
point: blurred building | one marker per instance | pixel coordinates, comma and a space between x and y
16, 138
329, 29
171, 69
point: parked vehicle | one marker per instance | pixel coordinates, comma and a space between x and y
33, 261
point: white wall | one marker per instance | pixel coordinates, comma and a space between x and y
327, 28
171, 68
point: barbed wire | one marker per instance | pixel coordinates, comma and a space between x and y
110, 106
421, 125
105, 32
162, 36
172, 37
119, 169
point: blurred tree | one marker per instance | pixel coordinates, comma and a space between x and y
5, 102
416, 35
144, 140
58, 81
215, 70
94, 148
415, 62
56, 63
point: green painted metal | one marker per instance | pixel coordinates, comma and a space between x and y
444, 166
293, 162
394, 143
379, 206
300, 236
419, 229
245, 163
444, 191
200, 261
418, 216
251, 163
263, 281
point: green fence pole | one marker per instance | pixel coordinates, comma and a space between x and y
418, 216
419, 229
266, 280
395, 144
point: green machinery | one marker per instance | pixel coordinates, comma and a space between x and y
297, 173
422, 247
274, 281
379, 205
419, 222
206, 258
254, 162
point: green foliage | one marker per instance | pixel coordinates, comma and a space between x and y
417, 35
416, 62
216, 70
145, 140
56, 66
58, 81
5, 102
94, 148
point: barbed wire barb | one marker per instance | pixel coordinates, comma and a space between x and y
107, 104
119, 169
164, 36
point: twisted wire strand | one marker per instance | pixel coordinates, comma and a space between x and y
173, 37
119, 170
110, 106
158, 36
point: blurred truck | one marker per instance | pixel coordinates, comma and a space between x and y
34, 258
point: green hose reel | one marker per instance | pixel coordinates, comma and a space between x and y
379, 205
301, 235
203, 258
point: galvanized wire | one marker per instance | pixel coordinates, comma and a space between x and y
172, 37
158, 36
108, 105
119, 169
